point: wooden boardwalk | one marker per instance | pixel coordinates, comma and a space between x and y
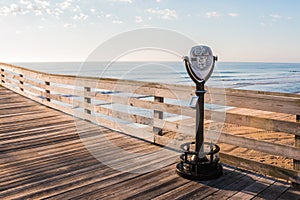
42, 156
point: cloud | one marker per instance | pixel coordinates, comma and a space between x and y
262, 24
233, 14
123, 1
65, 5
12, 9
35, 7
54, 11
113, 18
138, 19
25, 2
80, 16
271, 19
117, 21
275, 17
43, 3
213, 14
69, 25
108, 15
163, 14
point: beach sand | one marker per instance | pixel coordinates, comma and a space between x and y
262, 135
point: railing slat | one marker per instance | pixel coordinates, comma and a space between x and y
134, 118
281, 104
249, 143
258, 122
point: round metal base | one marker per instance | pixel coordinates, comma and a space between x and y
194, 167
200, 172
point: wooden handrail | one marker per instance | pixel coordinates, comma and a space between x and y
67, 93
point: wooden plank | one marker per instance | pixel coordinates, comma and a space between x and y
216, 185
184, 189
170, 143
291, 193
53, 149
21, 119
21, 112
162, 107
132, 186
253, 92
151, 190
257, 122
253, 189
110, 186
204, 188
273, 191
263, 168
289, 105
102, 179
263, 146
19, 126
232, 188
177, 127
124, 116
29, 176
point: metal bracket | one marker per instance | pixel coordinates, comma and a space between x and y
193, 102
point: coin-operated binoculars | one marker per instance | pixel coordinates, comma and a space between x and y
200, 160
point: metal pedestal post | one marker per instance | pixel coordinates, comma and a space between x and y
199, 164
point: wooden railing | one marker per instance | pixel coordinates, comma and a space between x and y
162, 110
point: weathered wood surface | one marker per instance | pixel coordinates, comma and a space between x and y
42, 156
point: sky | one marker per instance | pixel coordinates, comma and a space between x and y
69, 30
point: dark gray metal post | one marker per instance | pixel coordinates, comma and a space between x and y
200, 92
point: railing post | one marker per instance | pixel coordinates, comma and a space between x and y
47, 83
2, 76
297, 162
159, 115
87, 100
21, 83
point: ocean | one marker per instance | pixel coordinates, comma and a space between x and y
273, 77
